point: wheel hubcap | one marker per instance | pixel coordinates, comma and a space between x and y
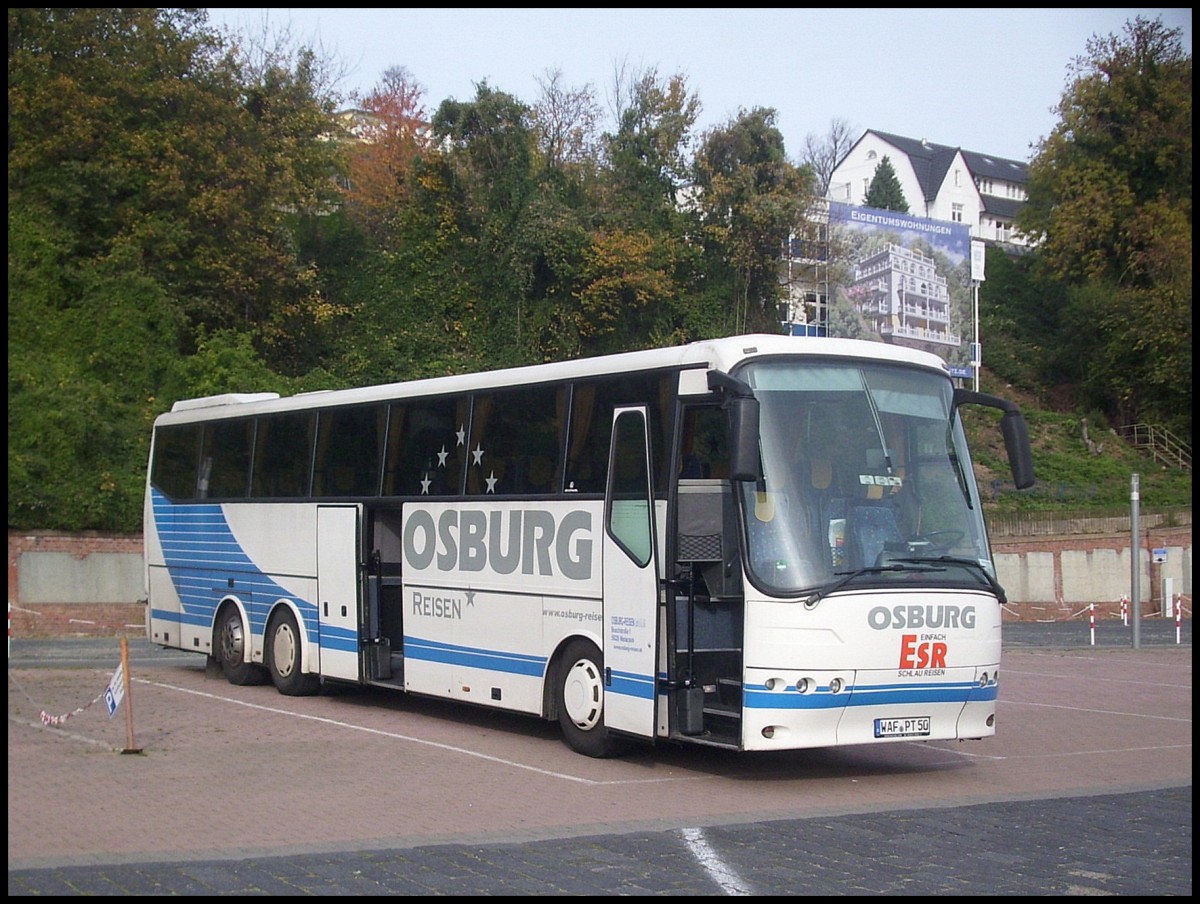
583, 694
232, 641
283, 649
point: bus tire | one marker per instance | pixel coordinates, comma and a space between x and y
231, 650
580, 702
283, 657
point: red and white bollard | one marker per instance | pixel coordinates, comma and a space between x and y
1092, 621
1178, 619
1125, 611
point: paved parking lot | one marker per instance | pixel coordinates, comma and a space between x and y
1086, 789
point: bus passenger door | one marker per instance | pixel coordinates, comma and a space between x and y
630, 579
338, 552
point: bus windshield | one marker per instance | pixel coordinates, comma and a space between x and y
865, 479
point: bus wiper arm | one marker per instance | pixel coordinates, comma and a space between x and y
847, 576
966, 563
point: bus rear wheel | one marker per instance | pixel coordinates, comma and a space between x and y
581, 702
284, 660
231, 650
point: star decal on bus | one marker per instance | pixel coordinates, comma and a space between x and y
442, 456
425, 484
478, 455
461, 434
491, 482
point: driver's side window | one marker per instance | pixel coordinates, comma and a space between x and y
704, 452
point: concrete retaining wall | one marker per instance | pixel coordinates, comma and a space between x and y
1059, 577
92, 584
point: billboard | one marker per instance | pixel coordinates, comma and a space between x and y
901, 279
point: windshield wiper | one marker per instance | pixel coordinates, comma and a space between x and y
848, 576
966, 563
883, 446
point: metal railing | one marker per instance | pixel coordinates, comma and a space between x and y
1162, 445
1066, 522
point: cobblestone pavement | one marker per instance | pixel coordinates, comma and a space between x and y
1131, 837
1117, 844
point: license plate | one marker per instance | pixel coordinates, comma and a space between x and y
905, 727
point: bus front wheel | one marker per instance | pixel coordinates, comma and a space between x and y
283, 658
581, 702
231, 650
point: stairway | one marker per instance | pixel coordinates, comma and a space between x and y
1162, 445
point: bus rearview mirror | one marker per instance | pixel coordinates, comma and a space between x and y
744, 460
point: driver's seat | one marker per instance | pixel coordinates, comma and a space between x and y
869, 527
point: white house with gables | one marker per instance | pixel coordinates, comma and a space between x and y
939, 182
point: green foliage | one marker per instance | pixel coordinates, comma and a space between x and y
163, 150
884, 192
1110, 203
1106, 185
752, 200
226, 361
1020, 318
647, 162
1079, 460
89, 345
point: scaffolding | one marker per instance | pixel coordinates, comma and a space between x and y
804, 274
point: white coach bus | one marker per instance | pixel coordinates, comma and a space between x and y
756, 543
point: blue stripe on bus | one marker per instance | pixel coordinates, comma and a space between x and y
880, 695
202, 555
474, 657
342, 639
629, 684
624, 683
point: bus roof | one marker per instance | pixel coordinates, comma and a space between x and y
711, 354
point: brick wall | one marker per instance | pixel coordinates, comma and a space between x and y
103, 602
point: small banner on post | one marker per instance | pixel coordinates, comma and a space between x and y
116, 691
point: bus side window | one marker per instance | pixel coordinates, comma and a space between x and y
426, 447
516, 433
349, 445
226, 458
581, 474
283, 455
592, 409
174, 469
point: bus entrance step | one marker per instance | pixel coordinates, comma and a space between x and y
729, 692
722, 711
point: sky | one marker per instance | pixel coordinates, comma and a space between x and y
985, 80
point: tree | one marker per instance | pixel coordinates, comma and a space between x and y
1110, 208
628, 289
154, 145
1107, 185
487, 162
565, 123
884, 192
822, 154
751, 200
1020, 313
383, 143
647, 154
90, 344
